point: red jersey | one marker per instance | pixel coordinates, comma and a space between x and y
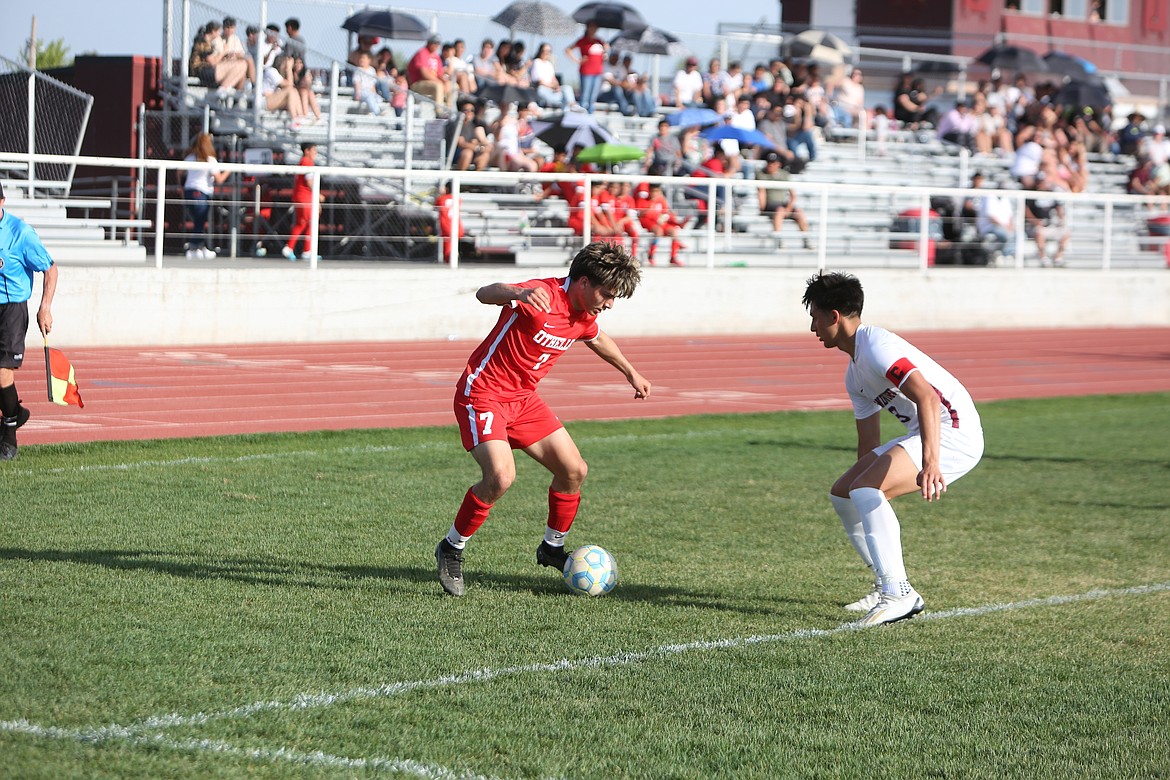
443, 205
592, 55
524, 345
303, 183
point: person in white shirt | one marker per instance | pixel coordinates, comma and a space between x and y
365, 85
542, 74
942, 443
687, 87
995, 221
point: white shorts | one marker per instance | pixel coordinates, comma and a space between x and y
958, 452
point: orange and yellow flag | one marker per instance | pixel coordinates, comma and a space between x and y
62, 382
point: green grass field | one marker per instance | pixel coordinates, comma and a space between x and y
266, 606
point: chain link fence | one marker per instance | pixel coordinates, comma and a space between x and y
59, 114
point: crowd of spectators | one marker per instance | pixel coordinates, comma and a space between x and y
794, 105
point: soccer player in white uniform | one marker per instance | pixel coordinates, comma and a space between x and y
943, 439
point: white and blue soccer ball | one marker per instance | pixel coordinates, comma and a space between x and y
591, 571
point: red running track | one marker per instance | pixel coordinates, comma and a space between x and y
147, 393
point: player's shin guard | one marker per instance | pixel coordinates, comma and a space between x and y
883, 536
854, 528
9, 410
562, 510
471, 515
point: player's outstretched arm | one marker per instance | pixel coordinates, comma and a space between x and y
607, 349
499, 294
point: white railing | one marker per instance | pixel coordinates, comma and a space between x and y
831, 233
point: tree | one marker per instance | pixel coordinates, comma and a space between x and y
50, 54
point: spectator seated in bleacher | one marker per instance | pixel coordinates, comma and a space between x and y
799, 122
1155, 147
462, 73
365, 45
365, 86
664, 153
467, 134
959, 126
233, 49
995, 222
686, 89
614, 82
847, 99
1130, 136
509, 156
992, 136
779, 203
485, 65
214, 69
910, 98
426, 75
280, 93
542, 75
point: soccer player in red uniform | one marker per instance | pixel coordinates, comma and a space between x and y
497, 407
658, 220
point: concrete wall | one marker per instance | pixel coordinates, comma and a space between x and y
178, 306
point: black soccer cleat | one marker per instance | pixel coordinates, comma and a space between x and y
553, 557
7, 450
450, 563
22, 415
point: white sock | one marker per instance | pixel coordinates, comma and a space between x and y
554, 538
456, 539
883, 536
851, 520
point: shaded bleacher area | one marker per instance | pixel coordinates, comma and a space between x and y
506, 222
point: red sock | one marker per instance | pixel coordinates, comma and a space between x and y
675, 245
562, 510
472, 512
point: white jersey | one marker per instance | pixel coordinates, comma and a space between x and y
881, 363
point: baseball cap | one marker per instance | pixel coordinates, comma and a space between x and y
692, 61
271, 27
771, 157
434, 39
1159, 129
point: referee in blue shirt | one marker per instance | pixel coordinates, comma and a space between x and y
21, 255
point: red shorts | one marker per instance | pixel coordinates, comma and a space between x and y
520, 423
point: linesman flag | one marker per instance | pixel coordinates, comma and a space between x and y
59, 376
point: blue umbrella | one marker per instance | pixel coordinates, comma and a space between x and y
741, 134
693, 117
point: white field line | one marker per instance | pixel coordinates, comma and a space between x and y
308, 701
272, 755
452, 444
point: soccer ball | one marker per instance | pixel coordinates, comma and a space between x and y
591, 571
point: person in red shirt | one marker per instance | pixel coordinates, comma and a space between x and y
425, 72
303, 205
498, 409
656, 217
588, 52
443, 205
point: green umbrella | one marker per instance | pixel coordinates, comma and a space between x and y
607, 154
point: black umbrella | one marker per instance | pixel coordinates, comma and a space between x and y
1078, 94
566, 132
387, 24
818, 45
537, 17
612, 16
1017, 59
651, 40
941, 67
508, 93
1071, 66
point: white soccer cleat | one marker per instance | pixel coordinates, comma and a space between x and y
891, 609
868, 601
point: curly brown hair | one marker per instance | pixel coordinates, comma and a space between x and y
609, 266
